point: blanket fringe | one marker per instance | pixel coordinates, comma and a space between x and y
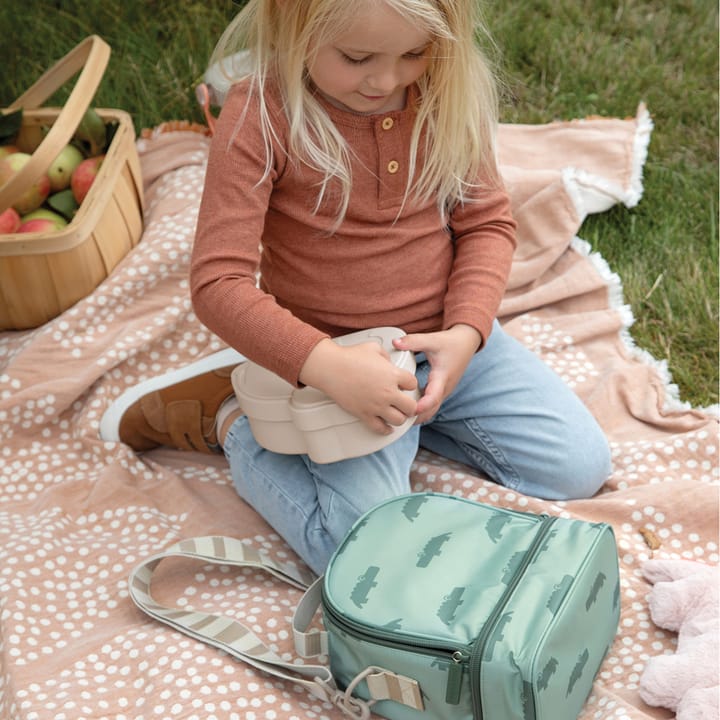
616, 300
595, 194
640, 152
575, 180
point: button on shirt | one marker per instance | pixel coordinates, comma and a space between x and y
391, 155
393, 166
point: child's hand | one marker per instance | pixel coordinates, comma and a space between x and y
448, 352
362, 380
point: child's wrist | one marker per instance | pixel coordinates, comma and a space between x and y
470, 335
315, 367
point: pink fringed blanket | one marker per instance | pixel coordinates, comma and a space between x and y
76, 514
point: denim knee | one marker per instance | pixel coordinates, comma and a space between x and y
585, 466
313, 506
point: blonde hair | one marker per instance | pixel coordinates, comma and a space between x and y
457, 112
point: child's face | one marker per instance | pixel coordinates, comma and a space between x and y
367, 68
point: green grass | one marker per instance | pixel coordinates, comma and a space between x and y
569, 58
560, 59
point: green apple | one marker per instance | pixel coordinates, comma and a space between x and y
92, 133
61, 169
36, 194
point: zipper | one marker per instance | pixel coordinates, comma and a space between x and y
456, 657
480, 643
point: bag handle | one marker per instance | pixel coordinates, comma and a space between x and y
91, 56
239, 641
382, 684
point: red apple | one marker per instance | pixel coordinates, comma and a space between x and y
84, 175
9, 221
42, 220
36, 194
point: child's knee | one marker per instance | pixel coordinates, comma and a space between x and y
586, 468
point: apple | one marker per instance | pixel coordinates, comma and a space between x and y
62, 167
84, 175
36, 194
8, 150
9, 221
42, 220
38, 225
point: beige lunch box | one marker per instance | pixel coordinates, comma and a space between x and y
295, 421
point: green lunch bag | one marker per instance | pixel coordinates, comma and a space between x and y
435, 608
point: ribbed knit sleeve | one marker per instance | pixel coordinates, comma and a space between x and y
226, 254
483, 232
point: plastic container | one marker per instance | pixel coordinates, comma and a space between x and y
44, 273
292, 421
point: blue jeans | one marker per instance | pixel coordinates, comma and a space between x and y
510, 417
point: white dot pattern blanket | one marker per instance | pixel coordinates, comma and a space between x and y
77, 513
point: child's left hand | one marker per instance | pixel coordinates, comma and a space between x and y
448, 352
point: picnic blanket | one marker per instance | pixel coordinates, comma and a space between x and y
77, 514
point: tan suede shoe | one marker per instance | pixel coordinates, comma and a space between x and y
177, 409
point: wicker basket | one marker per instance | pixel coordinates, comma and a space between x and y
42, 274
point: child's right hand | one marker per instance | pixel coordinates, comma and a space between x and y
362, 380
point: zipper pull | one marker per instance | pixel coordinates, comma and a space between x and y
455, 676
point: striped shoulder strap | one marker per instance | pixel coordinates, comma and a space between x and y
239, 641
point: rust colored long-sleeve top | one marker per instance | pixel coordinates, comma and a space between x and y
414, 272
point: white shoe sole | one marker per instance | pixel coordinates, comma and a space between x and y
110, 422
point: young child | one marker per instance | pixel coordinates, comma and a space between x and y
359, 153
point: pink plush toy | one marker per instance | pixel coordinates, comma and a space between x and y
684, 599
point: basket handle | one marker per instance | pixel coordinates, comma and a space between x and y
91, 56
